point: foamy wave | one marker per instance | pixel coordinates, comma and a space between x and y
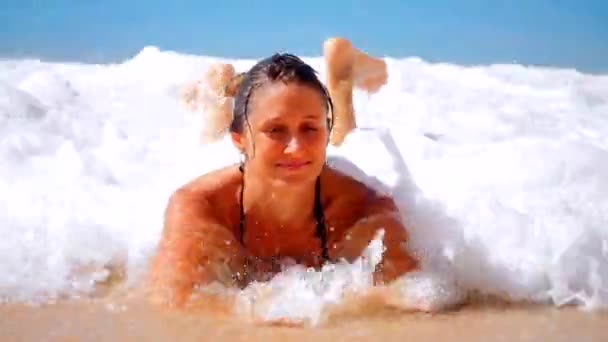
499, 171
305, 296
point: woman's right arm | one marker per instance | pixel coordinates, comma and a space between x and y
195, 249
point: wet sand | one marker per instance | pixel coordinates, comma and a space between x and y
136, 320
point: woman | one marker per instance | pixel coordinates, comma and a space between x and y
282, 203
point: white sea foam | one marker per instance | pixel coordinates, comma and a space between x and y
500, 172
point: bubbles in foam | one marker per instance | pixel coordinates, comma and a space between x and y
17, 106
49, 89
301, 295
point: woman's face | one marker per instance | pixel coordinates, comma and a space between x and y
285, 136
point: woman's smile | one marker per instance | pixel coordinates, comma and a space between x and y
293, 165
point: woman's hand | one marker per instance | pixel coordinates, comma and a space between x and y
395, 260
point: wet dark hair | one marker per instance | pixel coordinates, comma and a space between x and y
279, 67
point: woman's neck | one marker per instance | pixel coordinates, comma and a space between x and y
281, 204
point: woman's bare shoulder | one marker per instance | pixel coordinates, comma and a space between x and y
212, 183
214, 191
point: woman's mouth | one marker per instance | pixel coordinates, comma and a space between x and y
293, 165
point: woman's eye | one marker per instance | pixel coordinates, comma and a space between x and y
311, 128
275, 130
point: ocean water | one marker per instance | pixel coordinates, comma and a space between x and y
500, 172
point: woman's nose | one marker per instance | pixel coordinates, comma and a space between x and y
293, 144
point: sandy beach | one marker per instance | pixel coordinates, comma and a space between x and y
108, 319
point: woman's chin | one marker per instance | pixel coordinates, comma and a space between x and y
303, 175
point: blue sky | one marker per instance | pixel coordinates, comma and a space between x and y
564, 33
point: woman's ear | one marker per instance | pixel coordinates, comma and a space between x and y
238, 141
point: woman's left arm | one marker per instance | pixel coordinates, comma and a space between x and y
378, 212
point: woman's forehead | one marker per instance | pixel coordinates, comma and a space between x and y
279, 99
